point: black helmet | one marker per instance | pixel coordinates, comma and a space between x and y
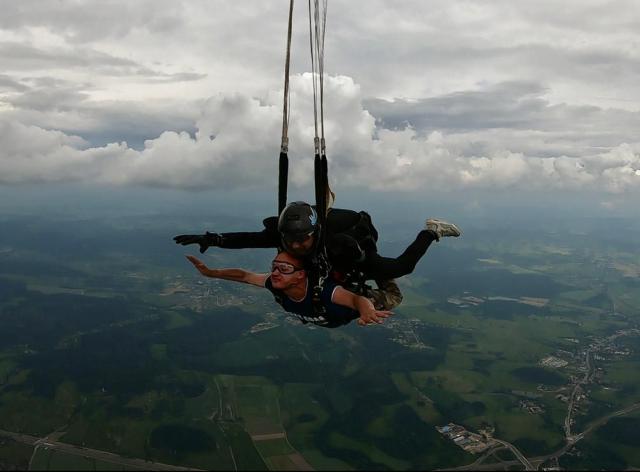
297, 221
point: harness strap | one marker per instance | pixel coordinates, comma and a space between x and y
318, 276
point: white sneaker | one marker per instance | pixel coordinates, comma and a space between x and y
442, 228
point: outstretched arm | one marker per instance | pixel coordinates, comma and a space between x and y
268, 237
235, 275
368, 313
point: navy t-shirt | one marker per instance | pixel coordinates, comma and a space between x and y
335, 315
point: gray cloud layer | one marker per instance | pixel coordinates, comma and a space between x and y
512, 115
515, 95
82, 21
220, 155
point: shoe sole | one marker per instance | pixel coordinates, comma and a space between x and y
445, 227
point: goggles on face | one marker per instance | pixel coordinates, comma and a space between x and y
296, 238
284, 267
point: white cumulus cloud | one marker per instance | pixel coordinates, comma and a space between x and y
237, 141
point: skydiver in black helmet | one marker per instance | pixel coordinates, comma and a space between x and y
350, 240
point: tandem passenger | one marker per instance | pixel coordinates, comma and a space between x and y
289, 283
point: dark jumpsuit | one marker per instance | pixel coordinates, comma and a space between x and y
339, 221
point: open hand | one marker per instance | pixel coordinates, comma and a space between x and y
373, 316
198, 264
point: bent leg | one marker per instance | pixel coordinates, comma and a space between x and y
387, 296
384, 268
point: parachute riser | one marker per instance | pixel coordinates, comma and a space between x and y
283, 167
283, 177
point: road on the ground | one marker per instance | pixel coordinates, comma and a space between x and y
90, 453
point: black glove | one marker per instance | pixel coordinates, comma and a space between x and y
204, 240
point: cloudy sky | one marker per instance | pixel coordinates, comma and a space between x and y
535, 96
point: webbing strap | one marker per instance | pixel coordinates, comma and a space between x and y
283, 167
319, 187
283, 176
317, 23
284, 147
317, 29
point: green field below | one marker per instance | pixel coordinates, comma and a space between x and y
129, 350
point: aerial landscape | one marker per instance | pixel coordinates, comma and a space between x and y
509, 351
324, 235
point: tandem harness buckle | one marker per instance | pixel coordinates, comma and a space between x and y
318, 277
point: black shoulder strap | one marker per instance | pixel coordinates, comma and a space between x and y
271, 224
367, 224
